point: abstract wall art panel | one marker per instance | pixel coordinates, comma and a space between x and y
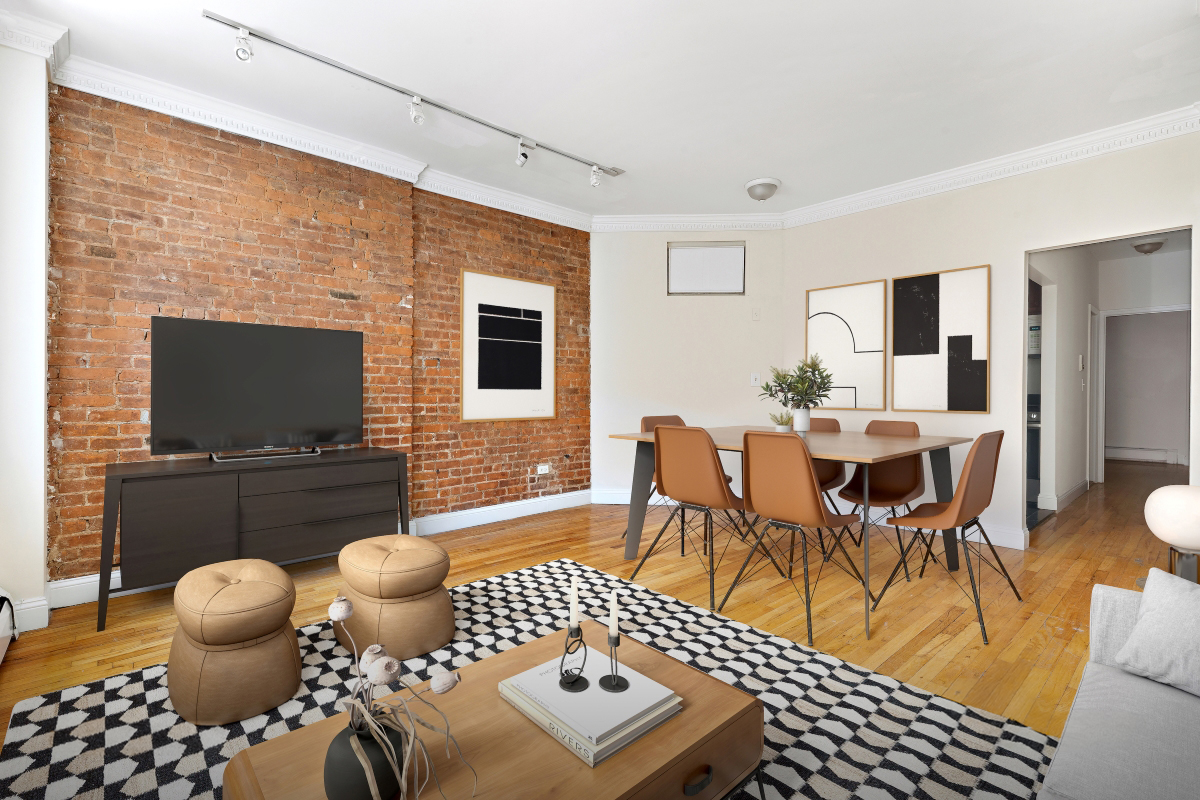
941, 345
507, 340
845, 326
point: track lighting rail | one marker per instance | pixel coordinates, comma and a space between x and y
424, 100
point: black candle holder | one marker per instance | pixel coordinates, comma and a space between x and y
572, 680
612, 682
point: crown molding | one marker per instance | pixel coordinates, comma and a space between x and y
39, 37
1110, 140
126, 87
620, 223
453, 186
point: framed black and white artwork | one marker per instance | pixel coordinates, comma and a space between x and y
846, 326
941, 341
507, 337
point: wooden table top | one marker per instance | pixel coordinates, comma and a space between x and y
514, 757
853, 447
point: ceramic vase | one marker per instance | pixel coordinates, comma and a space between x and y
800, 420
345, 778
783, 428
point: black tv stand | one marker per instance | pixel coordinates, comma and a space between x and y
184, 513
316, 451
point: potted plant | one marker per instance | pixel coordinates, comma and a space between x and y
801, 389
783, 421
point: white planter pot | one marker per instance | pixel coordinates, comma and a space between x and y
783, 428
800, 419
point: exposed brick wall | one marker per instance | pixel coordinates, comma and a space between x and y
462, 465
153, 215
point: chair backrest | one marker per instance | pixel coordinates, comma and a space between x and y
650, 423
978, 479
824, 425
779, 481
896, 476
831, 472
689, 469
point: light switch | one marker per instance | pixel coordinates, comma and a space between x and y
755, 379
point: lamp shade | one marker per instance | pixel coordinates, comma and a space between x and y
1173, 515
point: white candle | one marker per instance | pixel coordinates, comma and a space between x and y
574, 604
612, 614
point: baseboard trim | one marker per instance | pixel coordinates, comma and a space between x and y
1065, 499
610, 497
469, 518
1003, 536
32, 614
1160, 455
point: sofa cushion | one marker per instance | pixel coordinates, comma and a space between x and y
1164, 645
1126, 737
393, 566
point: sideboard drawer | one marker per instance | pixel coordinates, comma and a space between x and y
298, 479
315, 538
719, 762
315, 505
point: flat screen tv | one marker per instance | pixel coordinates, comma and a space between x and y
239, 386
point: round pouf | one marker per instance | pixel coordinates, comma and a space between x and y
395, 583
235, 653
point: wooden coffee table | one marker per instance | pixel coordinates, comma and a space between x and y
718, 737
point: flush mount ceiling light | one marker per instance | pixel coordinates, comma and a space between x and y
1148, 246
414, 111
415, 106
523, 148
241, 45
761, 189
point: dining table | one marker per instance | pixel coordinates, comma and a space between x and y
849, 447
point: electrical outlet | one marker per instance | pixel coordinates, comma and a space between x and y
756, 314
755, 379
543, 469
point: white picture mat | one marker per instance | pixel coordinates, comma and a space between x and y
706, 269
833, 314
497, 404
920, 381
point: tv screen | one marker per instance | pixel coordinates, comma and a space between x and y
239, 386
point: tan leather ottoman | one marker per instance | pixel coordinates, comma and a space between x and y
395, 583
235, 653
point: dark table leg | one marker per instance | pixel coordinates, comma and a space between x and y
108, 543
866, 546
403, 483
943, 487
639, 495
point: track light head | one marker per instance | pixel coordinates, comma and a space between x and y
595, 176
523, 148
241, 45
414, 111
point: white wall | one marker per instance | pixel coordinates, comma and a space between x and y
1145, 388
24, 159
651, 356
1159, 279
691, 356
1075, 278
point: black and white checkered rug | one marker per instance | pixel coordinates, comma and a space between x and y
833, 730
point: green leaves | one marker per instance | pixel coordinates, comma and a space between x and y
807, 386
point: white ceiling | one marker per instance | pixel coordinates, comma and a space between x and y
691, 97
1174, 242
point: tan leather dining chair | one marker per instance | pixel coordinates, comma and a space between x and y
972, 496
648, 426
781, 484
895, 483
830, 474
689, 472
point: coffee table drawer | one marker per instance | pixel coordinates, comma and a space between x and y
715, 766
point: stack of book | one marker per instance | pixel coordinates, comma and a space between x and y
592, 724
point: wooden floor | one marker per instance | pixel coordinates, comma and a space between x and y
925, 632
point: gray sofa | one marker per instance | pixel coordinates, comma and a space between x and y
1126, 737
